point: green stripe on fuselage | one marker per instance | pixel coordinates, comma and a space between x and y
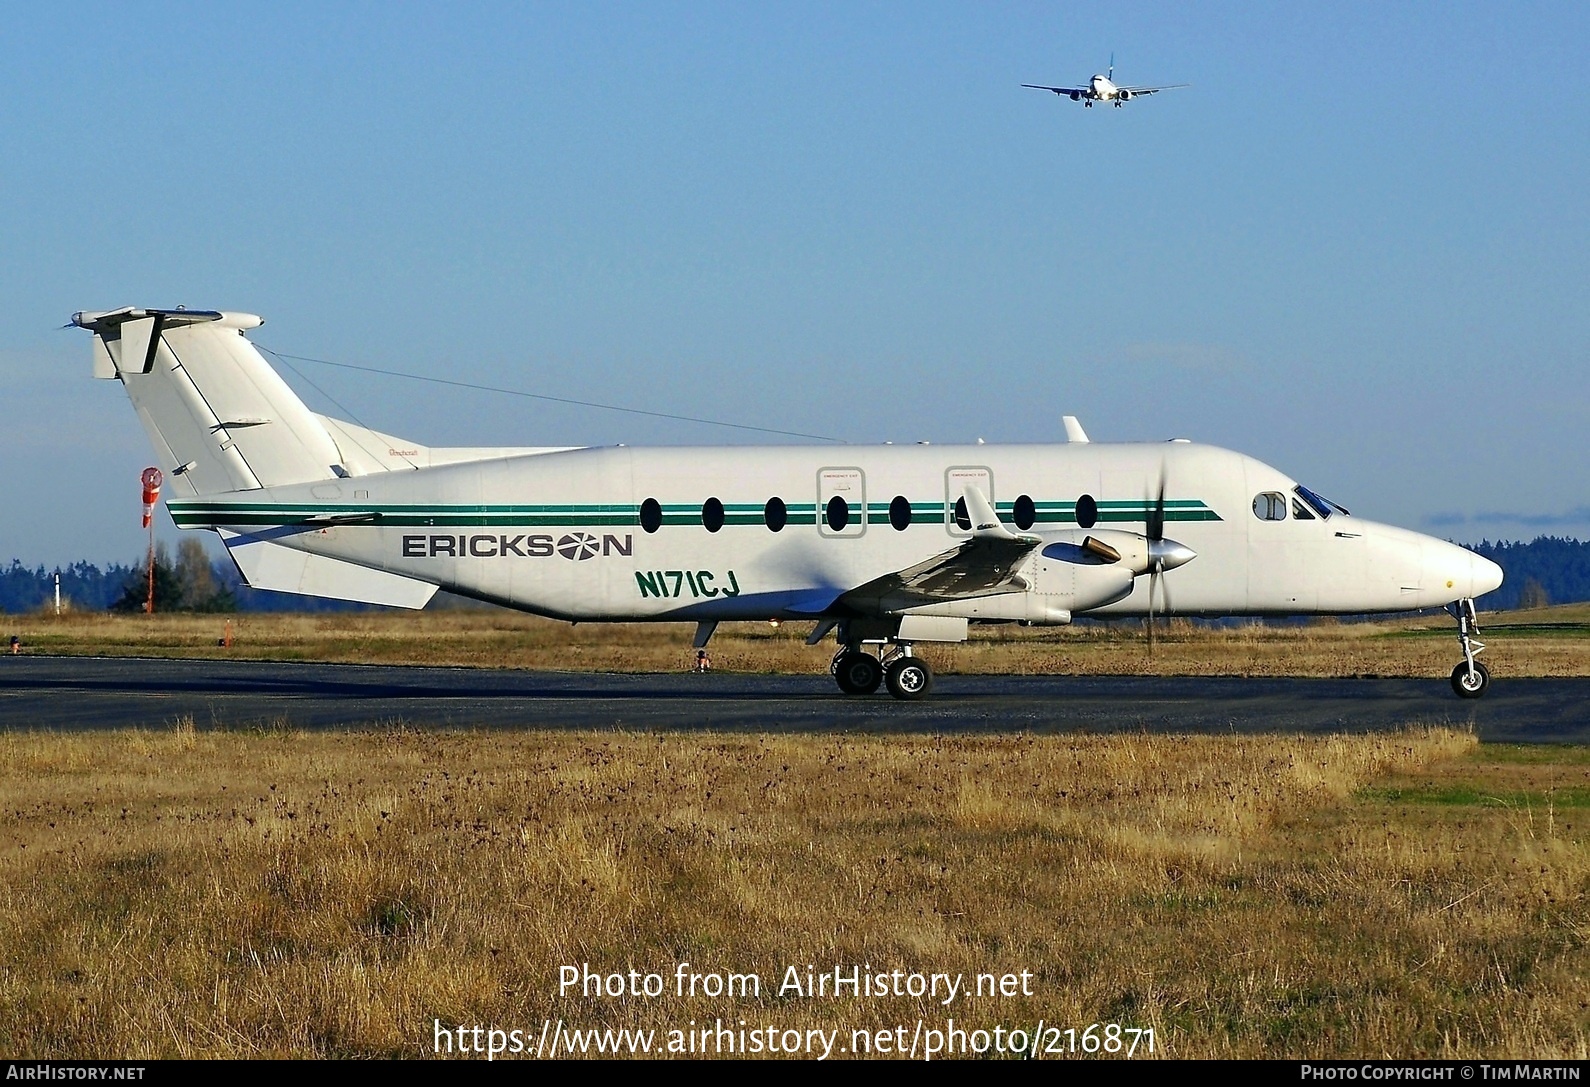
201, 513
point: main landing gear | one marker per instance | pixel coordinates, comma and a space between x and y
856, 671
1470, 679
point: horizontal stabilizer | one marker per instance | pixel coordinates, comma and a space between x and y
266, 565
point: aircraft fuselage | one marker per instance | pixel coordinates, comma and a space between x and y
689, 533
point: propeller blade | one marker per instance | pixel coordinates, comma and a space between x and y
1156, 516
1159, 553
1153, 579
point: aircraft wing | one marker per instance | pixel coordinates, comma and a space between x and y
1135, 91
985, 565
1057, 90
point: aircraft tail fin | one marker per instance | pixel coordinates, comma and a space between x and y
221, 419
1111, 76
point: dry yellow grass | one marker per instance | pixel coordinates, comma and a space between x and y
495, 638
194, 893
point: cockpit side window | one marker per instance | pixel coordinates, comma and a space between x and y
1322, 506
1269, 506
1300, 512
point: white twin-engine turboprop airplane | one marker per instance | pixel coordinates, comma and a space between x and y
1102, 88
886, 546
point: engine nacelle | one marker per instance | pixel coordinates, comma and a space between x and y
1076, 96
1093, 547
1096, 567
1126, 96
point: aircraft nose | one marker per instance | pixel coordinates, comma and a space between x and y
1485, 575
1459, 572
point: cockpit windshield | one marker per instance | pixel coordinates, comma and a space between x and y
1322, 506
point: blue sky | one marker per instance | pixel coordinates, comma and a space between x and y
1357, 247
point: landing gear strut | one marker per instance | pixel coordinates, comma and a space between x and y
908, 677
1470, 679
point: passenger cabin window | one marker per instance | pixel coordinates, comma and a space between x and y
1024, 512
776, 514
1087, 511
900, 513
712, 514
1270, 506
837, 513
963, 520
650, 515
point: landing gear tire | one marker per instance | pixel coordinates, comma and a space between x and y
857, 672
909, 678
1469, 684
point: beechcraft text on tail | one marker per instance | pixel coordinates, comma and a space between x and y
1102, 88
886, 547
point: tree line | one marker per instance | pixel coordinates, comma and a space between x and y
186, 582
1547, 570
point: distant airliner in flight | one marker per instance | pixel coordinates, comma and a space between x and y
1102, 88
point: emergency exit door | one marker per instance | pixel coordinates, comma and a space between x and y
957, 519
841, 502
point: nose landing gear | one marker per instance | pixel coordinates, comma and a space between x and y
1470, 679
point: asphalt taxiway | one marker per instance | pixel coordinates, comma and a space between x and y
77, 693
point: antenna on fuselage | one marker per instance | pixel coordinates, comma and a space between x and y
1074, 431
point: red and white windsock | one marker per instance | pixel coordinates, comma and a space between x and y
152, 481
